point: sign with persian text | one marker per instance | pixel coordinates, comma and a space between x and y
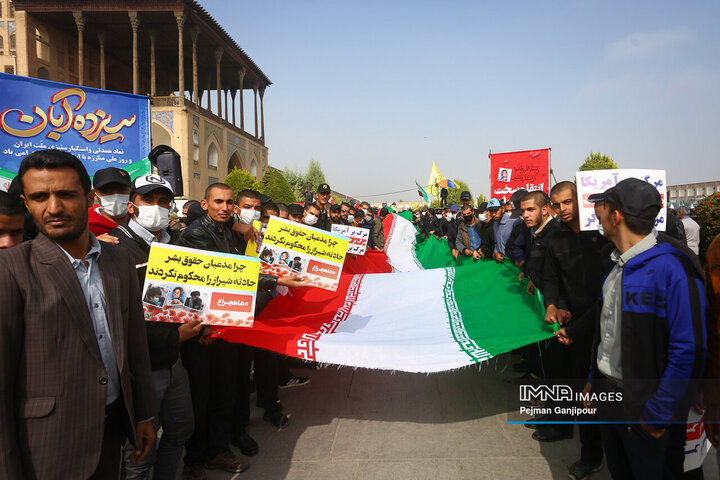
185, 284
512, 171
358, 237
101, 127
293, 249
597, 181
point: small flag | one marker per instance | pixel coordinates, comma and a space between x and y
421, 192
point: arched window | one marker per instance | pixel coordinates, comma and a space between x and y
43, 73
12, 42
42, 44
2, 45
254, 168
212, 156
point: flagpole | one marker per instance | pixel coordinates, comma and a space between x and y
490, 172
552, 174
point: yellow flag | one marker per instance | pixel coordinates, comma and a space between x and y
435, 177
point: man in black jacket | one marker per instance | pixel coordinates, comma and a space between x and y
213, 369
149, 208
469, 236
535, 207
573, 274
322, 197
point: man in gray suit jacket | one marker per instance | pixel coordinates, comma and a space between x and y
74, 366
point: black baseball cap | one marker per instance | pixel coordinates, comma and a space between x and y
631, 196
323, 188
465, 195
483, 206
334, 207
106, 176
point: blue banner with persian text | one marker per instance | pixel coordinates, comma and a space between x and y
101, 127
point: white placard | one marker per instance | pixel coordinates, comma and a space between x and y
358, 237
597, 181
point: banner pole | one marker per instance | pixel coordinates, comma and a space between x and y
490, 172
552, 174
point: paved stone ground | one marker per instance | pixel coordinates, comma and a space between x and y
365, 424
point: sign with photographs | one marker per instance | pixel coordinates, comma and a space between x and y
185, 284
315, 255
358, 237
597, 181
512, 171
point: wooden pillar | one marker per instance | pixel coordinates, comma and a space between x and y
227, 106
135, 25
255, 95
180, 19
80, 24
262, 114
209, 92
194, 35
232, 96
218, 88
153, 80
101, 41
241, 74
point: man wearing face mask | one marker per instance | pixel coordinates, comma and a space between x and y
311, 214
450, 225
112, 192
149, 209
469, 237
377, 235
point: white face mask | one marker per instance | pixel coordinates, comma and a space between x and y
438, 216
351, 218
368, 218
115, 205
483, 217
310, 219
247, 215
152, 217
601, 229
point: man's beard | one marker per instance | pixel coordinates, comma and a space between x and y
78, 227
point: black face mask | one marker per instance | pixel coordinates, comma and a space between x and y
467, 218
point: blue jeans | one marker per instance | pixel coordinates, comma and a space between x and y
175, 416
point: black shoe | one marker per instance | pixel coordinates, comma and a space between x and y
277, 418
549, 433
260, 403
245, 443
581, 470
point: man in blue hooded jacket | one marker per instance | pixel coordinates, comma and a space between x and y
650, 341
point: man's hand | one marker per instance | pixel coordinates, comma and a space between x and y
292, 282
554, 314
467, 252
145, 434
189, 330
586, 394
655, 432
499, 257
205, 338
107, 238
455, 253
530, 288
247, 231
563, 337
712, 428
477, 255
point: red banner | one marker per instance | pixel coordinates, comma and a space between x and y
512, 171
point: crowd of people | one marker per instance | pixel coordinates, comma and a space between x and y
84, 377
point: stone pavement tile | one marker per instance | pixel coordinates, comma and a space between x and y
300, 440
359, 439
520, 437
294, 471
422, 469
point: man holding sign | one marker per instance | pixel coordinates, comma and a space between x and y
214, 369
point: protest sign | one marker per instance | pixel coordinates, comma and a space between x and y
252, 249
185, 284
100, 127
697, 444
597, 181
512, 171
358, 237
315, 255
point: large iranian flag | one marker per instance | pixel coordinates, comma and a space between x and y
426, 320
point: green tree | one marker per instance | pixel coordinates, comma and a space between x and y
454, 193
314, 175
598, 161
296, 180
481, 198
708, 217
240, 180
274, 185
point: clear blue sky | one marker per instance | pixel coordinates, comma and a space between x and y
377, 90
